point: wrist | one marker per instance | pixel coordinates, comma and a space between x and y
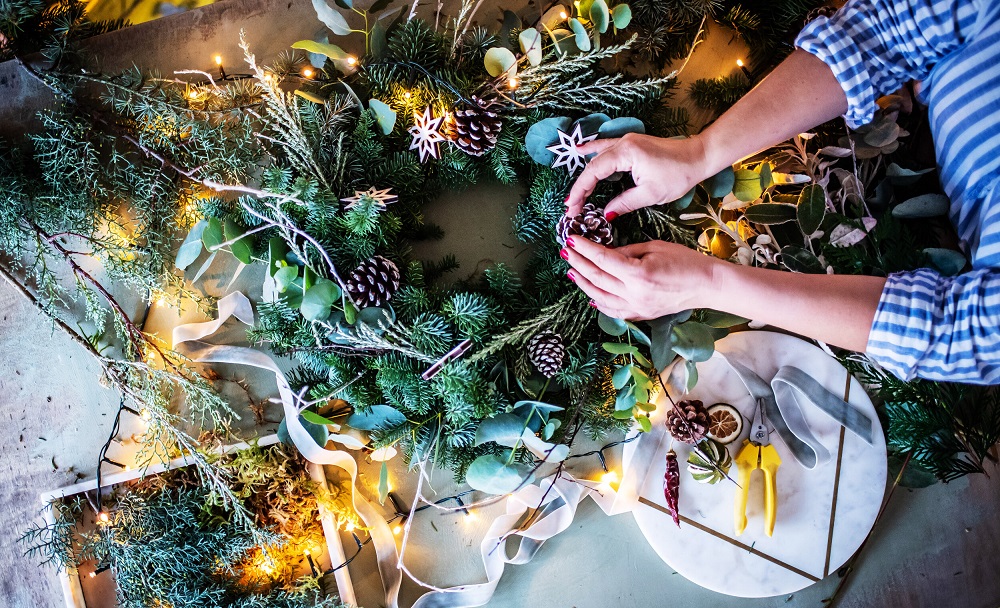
713, 284
711, 157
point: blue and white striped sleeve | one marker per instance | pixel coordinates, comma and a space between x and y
875, 46
939, 328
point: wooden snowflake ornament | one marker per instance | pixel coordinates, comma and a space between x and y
568, 152
426, 132
382, 198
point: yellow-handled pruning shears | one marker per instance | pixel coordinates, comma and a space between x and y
757, 453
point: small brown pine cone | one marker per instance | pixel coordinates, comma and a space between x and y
590, 224
688, 422
373, 282
547, 352
475, 128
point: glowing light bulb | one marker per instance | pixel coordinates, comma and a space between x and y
307, 72
512, 83
306, 552
218, 60
351, 60
739, 62
349, 527
606, 480
469, 517
397, 529
407, 95
563, 15
103, 518
145, 415
193, 94
93, 575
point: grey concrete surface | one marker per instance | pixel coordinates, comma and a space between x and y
936, 547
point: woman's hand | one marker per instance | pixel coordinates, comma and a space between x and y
663, 170
640, 281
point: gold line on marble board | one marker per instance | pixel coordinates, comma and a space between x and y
836, 485
732, 541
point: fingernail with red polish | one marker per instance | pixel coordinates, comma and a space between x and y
571, 276
610, 215
593, 304
570, 242
564, 254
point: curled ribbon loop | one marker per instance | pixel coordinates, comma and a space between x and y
784, 399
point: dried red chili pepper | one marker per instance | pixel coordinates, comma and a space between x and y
671, 486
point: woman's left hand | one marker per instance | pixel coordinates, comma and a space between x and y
640, 281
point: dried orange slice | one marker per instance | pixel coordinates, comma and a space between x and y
724, 423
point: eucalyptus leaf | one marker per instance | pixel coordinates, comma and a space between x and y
503, 429
714, 318
617, 348
639, 335
721, 183
621, 376
693, 341
925, 205
310, 97
811, 208
377, 318
383, 483
377, 417
904, 177
592, 123
491, 474
641, 360
561, 39
765, 175
625, 400
344, 4
318, 300
331, 18
524, 408
277, 249
192, 246
350, 312
622, 414
684, 201
315, 418
580, 35
542, 134
801, 260
770, 214
510, 23
212, 235
660, 350
644, 423
284, 277
204, 266
619, 127
379, 40
380, 5
646, 407
530, 41
947, 261
621, 15
327, 50
611, 325
600, 16
384, 115
692, 371
318, 432
240, 247
499, 60
746, 186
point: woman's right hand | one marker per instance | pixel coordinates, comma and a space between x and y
663, 170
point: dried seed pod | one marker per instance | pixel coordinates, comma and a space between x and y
671, 486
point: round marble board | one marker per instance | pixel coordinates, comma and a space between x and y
823, 514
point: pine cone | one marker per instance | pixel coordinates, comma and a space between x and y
819, 11
590, 224
373, 282
547, 352
475, 128
692, 427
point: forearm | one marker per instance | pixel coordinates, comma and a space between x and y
798, 95
836, 309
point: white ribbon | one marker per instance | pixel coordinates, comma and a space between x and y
555, 499
236, 304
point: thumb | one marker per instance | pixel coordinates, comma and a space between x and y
628, 201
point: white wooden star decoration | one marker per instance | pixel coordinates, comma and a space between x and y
567, 151
426, 132
381, 198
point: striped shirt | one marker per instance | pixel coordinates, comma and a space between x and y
928, 325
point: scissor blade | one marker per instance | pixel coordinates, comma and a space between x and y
758, 428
